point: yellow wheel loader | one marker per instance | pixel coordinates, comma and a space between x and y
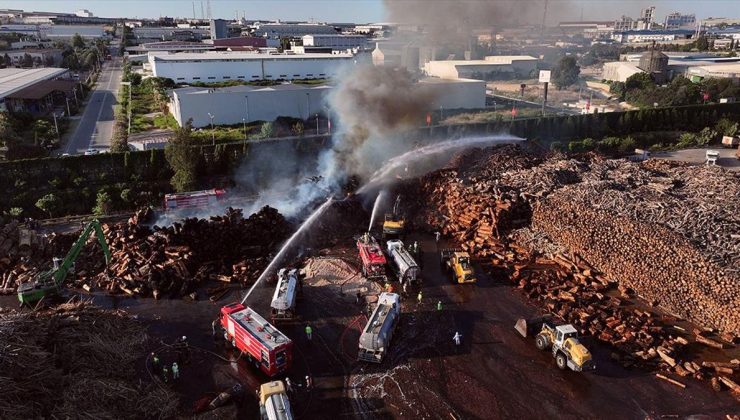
562, 340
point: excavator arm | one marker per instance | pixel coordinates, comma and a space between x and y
61, 273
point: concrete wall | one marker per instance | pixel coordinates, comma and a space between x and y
254, 69
229, 106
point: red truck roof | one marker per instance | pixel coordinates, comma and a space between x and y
256, 326
370, 252
193, 199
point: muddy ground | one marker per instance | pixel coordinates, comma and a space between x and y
495, 373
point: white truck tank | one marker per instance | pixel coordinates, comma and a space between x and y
406, 268
378, 332
284, 297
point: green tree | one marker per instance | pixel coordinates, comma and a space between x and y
266, 130
78, 42
639, 81
7, 132
119, 143
726, 127
15, 212
103, 204
49, 203
183, 158
26, 60
702, 44
297, 129
566, 72
43, 130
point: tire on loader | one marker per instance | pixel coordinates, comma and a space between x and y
561, 361
542, 342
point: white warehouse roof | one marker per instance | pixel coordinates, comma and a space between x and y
13, 80
238, 55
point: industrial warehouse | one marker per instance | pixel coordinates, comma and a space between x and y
239, 104
247, 66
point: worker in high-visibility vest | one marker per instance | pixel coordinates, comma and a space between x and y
175, 371
418, 297
155, 363
309, 331
439, 305
165, 373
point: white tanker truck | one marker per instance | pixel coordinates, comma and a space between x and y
377, 335
284, 298
406, 269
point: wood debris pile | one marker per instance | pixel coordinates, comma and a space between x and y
583, 237
661, 265
76, 360
175, 260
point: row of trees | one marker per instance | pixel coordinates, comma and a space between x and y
27, 61
640, 89
83, 56
614, 145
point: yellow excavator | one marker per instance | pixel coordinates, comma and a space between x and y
561, 339
457, 263
394, 222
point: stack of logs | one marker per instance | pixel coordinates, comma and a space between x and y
483, 210
661, 266
175, 260
476, 215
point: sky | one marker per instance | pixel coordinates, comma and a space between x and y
360, 11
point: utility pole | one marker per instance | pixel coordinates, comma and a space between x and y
56, 126
213, 131
317, 124
69, 113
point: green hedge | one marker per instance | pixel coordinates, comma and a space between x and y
22, 182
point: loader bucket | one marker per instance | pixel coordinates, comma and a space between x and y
527, 327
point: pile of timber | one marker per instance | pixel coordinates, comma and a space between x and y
475, 214
701, 203
173, 260
9, 238
661, 265
574, 291
489, 211
77, 358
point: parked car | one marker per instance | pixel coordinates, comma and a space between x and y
90, 152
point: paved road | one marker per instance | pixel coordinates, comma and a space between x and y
95, 129
727, 157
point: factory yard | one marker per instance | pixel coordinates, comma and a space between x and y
641, 258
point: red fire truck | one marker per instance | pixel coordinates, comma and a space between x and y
261, 342
371, 255
192, 199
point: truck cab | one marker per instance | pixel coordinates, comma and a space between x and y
274, 402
